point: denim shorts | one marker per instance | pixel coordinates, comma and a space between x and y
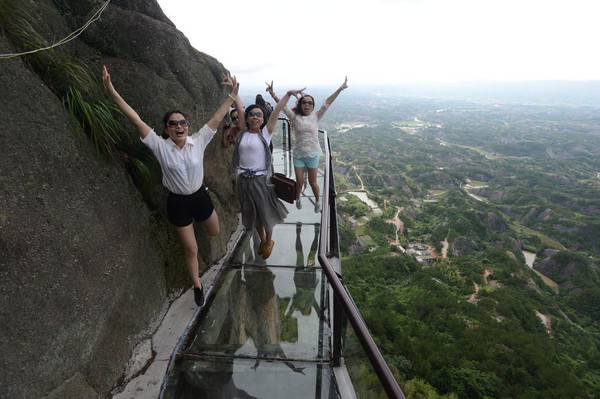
312, 162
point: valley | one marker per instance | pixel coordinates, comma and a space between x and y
505, 198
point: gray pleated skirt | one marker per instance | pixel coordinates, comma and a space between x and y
259, 202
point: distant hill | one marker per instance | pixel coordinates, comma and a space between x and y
527, 92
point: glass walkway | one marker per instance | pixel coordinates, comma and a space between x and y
266, 330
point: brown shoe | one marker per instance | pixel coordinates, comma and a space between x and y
261, 248
267, 249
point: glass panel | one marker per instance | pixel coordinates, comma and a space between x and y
221, 378
364, 380
295, 246
265, 312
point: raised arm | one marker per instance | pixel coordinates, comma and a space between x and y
332, 97
271, 92
272, 122
233, 98
142, 128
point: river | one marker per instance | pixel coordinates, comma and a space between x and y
529, 258
364, 197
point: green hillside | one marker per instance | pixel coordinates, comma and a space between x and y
476, 184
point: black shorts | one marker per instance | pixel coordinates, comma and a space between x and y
185, 209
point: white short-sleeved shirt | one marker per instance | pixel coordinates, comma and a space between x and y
306, 132
252, 152
182, 168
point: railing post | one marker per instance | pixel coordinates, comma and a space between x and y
338, 323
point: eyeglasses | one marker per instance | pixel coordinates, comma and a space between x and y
257, 114
174, 123
307, 102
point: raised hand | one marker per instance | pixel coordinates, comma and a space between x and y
107, 83
227, 80
295, 93
345, 84
270, 88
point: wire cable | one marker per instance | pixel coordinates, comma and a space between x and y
67, 38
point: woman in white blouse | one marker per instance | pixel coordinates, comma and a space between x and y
181, 159
307, 150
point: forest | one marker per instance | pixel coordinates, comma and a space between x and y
477, 183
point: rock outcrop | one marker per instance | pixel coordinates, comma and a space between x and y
86, 261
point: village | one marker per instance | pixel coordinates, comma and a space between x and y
421, 252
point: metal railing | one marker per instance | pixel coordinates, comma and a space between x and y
343, 303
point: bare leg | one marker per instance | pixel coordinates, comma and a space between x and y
299, 180
212, 224
312, 180
261, 233
268, 235
190, 248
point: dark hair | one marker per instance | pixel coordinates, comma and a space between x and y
166, 121
250, 108
232, 111
260, 100
298, 108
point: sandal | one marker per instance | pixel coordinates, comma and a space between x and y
261, 248
267, 249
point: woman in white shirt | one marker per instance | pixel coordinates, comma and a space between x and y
251, 169
307, 150
181, 159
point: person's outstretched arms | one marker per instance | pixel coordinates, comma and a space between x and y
142, 128
333, 96
280, 104
220, 113
272, 92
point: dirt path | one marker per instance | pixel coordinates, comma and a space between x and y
486, 273
362, 186
445, 247
397, 222
399, 226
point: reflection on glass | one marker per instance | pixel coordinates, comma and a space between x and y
263, 334
227, 378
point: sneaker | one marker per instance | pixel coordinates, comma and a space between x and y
317, 206
298, 204
199, 296
267, 249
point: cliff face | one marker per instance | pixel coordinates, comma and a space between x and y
85, 260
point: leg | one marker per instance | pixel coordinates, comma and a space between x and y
268, 244
261, 233
299, 170
190, 248
212, 224
312, 180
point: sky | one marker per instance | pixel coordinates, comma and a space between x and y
384, 42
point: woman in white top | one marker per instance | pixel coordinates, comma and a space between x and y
251, 169
306, 150
181, 159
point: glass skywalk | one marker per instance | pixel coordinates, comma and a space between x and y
265, 329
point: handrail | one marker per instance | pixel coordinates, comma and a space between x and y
329, 247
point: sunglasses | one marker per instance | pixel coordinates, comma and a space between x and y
174, 123
257, 114
308, 102
234, 118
